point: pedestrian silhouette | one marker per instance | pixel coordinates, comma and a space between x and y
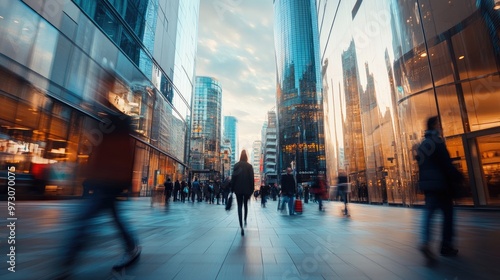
288, 188
438, 179
242, 183
108, 173
320, 191
343, 189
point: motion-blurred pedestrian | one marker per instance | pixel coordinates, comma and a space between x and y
169, 188
343, 191
109, 172
288, 189
319, 190
438, 179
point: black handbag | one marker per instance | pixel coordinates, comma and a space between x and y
229, 202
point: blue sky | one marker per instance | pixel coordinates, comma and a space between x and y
236, 47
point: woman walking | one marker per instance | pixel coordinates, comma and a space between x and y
242, 186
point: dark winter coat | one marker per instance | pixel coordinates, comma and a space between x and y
287, 185
242, 180
436, 171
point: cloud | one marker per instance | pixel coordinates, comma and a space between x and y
236, 47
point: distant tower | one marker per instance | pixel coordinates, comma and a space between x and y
256, 162
206, 124
231, 133
269, 145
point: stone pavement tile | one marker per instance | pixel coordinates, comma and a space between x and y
283, 258
198, 271
253, 271
284, 271
228, 271
347, 271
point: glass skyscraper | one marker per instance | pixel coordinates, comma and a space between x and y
388, 65
299, 96
231, 133
206, 125
51, 56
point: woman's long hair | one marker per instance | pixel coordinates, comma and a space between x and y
244, 156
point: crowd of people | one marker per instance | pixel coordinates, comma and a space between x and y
212, 192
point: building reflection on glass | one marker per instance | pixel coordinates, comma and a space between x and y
49, 94
390, 65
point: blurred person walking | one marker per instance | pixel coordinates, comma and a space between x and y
319, 190
264, 193
288, 190
169, 187
343, 191
242, 183
177, 189
438, 179
226, 188
195, 189
184, 191
109, 172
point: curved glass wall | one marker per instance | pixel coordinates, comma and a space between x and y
388, 65
299, 98
50, 66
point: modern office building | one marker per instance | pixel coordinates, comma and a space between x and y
388, 65
52, 55
206, 125
231, 133
269, 150
299, 96
226, 158
256, 161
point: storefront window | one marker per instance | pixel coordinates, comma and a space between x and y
489, 153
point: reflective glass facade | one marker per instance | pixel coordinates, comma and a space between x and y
231, 133
206, 125
299, 97
388, 65
50, 60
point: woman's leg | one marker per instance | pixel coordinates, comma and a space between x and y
245, 203
239, 200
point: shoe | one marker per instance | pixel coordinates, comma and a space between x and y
429, 255
448, 251
128, 258
242, 232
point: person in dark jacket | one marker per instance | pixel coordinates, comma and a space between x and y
108, 173
177, 189
438, 179
242, 183
288, 190
169, 188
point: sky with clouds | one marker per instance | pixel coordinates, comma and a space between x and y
236, 47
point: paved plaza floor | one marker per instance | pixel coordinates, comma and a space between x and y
203, 241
